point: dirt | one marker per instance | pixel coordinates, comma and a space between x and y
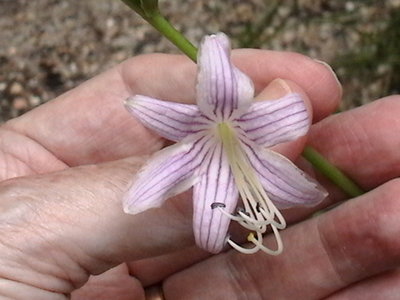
50, 46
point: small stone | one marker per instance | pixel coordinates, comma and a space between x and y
3, 86
20, 103
120, 56
350, 6
12, 50
394, 3
110, 22
16, 88
34, 101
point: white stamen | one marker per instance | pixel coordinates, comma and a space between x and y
256, 221
239, 219
242, 249
259, 211
232, 217
259, 242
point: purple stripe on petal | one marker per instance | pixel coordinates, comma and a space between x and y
187, 160
171, 171
205, 210
174, 121
210, 237
216, 185
270, 119
271, 122
284, 183
166, 130
262, 108
221, 87
287, 133
295, 126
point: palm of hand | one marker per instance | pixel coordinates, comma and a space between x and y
85, 136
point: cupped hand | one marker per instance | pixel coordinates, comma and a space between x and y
66, 164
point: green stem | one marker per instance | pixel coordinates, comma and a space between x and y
154, 18
166, 29
331, 172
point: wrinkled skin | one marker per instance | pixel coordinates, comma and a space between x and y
65, 165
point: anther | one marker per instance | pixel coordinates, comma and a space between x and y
217, 204
241, 210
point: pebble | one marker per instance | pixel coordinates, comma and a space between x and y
3, 86
84, 38
16, 88
34, 101
20, 103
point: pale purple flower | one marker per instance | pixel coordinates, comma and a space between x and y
222, 152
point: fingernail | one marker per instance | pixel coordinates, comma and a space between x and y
274, 90
326, 65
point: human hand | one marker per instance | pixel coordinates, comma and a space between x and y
61, 226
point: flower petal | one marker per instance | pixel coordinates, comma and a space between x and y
221, 87
173, 121
268, 123
170, 172
216, 185
285, 183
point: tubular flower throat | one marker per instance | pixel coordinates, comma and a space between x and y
222, 151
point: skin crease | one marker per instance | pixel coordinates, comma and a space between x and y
65, 165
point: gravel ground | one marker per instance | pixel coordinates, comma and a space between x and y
50, 46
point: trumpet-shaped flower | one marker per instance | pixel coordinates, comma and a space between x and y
222, 152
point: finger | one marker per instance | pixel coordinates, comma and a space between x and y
155, 269
363, 142
315, 77
113, 284
384, 286
51, 185
323, 255
76, 227
21, 156
89, 124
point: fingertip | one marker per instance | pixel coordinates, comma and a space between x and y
316, 79
327, 79
334, 76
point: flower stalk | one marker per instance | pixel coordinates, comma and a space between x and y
331, 172
149, 11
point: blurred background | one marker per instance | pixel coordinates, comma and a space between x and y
50, 46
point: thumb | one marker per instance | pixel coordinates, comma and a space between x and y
61, 227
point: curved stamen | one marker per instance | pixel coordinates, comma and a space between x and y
280, 225
240, 220
259, 242
254, 221
242, 249
230, 216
